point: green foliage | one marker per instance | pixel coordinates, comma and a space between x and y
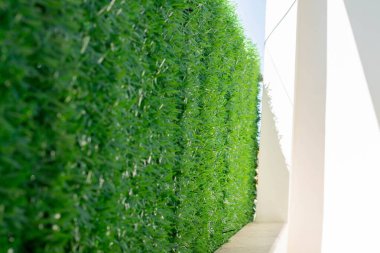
125, 126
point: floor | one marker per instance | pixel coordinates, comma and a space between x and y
257, 238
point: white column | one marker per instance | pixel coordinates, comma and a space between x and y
352, 163
306, 180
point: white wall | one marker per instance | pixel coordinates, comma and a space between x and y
352, 166
277, 112
333, 151
279, 62
273, 181
320, 124
308, 143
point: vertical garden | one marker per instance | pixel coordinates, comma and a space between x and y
125, 126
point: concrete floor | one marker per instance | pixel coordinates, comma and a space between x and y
257, 238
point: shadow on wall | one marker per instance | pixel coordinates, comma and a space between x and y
273, 181
364, 19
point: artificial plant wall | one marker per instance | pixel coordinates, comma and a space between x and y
125, 126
